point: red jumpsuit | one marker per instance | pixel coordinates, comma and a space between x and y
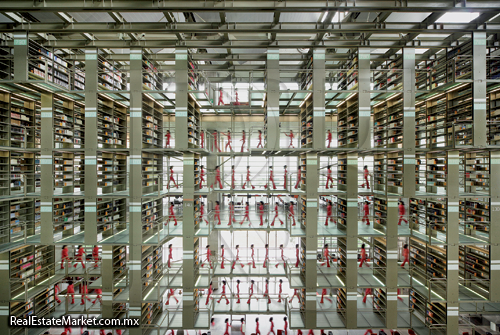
248, 180
247, 212
323, 293
328, 214
171, 179
271, 179
223, 294
98, 291
70, 291
260, 141
202, 179
282, 258
243, 139
168, 140
217, 178
210, 291
266, 259
363, 258
406, 254
202, 212
402, 212
216, 143
250, 292
209, 255
261, 214
291, 214
253, 259
266, 293
170, 257
295, 294
56, 291
232, 179
95, 255
202, 139
276, 215
222, 258
231, 214
64, 257
291, 139
326, 255
366, 210
227, 327
237, 258
272, 329
365, 176
228, 142
367, 292
285, 177
297, 250
329, 178
299, 178
257, 330
329, 139
238, 292
280, 290
217, 213
220, 98
79, 257
171, 215
84, 291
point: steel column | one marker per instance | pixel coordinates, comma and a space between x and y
318, 97
181, 98
273, 100
409, 122
479, 88
364, 100
47, 169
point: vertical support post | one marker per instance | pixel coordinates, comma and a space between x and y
452, 229
364, 99
409, 122
91, 146
352, 241
479, 88
21, 56
5, 292
46, 166
181, 98
135, 223
494, 228
312, 184
107, 281
273, 100
188, 280
391, 280
319, 99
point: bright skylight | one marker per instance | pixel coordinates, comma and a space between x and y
456, 17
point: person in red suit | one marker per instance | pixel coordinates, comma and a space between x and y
210, 291
266, 291
271, 331
228, 134
97, 291
223, 293
276, 214
64, 255
238, 291
366, 174
247, 212
282, 256
216, 141
329, 213
217, 177
329, 138
402, 212
280, 289
406, 254
366, 212
56, 291
285, 176
95, 255
168, 136
237, 257
326, 256
261, 213
250, 291
243, 139
329, 178
170, 256
232, 177
368, 291
299, 178
221, 101
291, 135
171, 214
248, 179
202, 176
291, 213
266, 258
79, 256
217, 212
209, 257
260, 140
295, 294
271, 178
202, 139
70, 291
297, 251
252, 256
83, 292
227, 326
363, 256
222, 256
257, 330
171, 178
231, 213
323, 293
202, 212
